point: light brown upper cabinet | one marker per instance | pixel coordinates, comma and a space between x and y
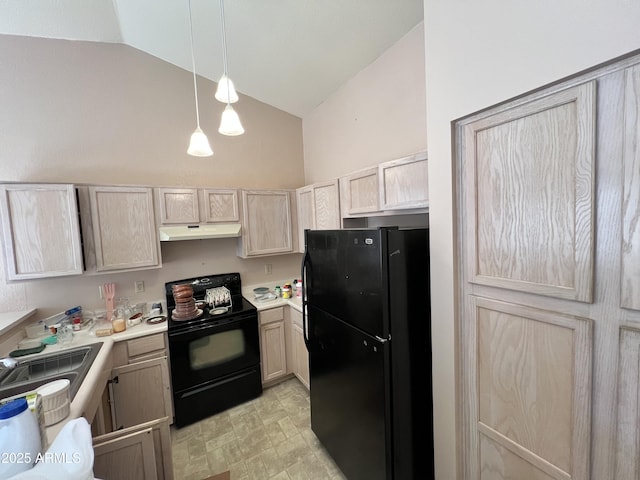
318, 208
120, 228
359, 193
267, 223
178, 205
548, 280
403, 183
395, 187
41, 233
197, 205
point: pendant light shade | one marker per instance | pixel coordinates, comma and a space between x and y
199, 145
230, 124
226, 92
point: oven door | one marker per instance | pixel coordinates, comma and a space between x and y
210, 350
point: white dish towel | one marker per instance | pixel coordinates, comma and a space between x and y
70, 456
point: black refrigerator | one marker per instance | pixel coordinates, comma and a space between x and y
367, 328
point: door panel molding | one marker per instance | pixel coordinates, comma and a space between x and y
529, 171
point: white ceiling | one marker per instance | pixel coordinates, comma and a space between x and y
291, 54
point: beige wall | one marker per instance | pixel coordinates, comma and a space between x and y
95, 112
377, 115
82, 112
478, 54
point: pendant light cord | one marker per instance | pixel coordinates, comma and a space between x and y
224, 50
193, 63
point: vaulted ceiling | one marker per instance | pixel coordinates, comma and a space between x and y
291, 54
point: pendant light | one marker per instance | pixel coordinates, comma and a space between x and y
199, 144
230, 122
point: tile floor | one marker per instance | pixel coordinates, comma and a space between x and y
267, 438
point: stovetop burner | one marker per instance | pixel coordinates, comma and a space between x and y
206, 312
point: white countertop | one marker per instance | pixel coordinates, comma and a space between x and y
247, 292
9, 319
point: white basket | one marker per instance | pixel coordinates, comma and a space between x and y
54, 395
51, 417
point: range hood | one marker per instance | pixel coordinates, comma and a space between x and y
172, 233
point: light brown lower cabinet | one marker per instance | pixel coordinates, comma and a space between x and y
140, 384
272, 344
299, 355
139, 392
137, 411
141, 452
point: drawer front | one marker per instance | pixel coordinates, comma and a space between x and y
271, 315
143, 345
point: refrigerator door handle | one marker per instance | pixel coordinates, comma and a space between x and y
303, 275
383, 340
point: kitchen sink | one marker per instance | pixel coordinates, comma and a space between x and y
72, 364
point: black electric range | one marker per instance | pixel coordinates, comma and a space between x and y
215, 357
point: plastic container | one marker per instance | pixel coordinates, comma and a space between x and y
37, 330
299, 289
286, 291
19, 438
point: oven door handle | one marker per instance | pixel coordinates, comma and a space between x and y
207, 326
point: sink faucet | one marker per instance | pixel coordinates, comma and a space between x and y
7, 363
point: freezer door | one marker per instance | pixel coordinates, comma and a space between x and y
349, 400
346, 276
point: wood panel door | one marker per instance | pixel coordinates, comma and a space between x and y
299, 353
273, 351
548, 239
359, 192
306, 214
403, 183
630, 284
326, 206
267, 223
178, 205
129, 456
140, 392
40, 231
530, 176
124, 228
526, 212
220, 205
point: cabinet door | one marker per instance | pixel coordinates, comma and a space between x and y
140, 392
326, 206
359, 192
267, 222
305, 213
161, 435
630, 282
41, 233
403, 183
220, 205
178, 205
124, 228
300, 355
525, 184
530, 202
126, 456
272, 344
